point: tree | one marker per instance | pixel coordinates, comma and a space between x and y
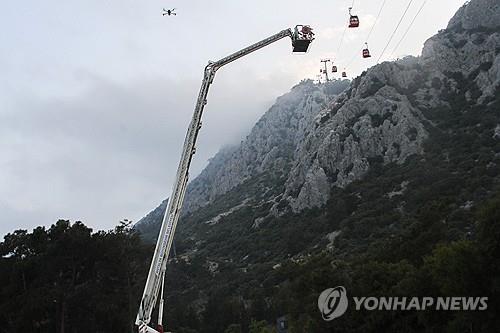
260, 327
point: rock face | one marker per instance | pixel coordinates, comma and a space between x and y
269, 146
470, 46
321, 136
477, 14
372, 120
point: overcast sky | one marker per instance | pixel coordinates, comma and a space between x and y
96, 95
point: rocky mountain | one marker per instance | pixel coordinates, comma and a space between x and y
270, 146
317, 140
347, 184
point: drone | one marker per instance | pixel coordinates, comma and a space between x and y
169, 12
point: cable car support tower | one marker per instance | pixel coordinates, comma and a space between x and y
325, 61
301, 37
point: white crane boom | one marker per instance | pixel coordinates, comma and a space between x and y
300, 42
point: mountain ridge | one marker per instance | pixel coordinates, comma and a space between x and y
381, 193
320, 136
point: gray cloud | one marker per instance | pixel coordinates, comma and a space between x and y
111, 151
95, 96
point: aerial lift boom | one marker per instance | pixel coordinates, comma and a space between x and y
301, 37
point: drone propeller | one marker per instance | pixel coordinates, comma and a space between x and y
169, 12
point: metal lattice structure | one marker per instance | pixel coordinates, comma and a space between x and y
301, 37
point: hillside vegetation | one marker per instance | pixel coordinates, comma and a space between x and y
388, 185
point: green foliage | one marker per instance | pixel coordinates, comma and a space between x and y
405, 244
426, 227
233, 328
260, 327
374, 87
378, 120
67, 278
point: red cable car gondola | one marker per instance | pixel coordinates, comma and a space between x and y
366, 52
344, 74
334, 69
353, 20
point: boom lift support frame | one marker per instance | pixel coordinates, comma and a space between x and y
156, 277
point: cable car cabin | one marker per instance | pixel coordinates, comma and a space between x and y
353, 21
334, 69
366, 51
302, 37
344, 74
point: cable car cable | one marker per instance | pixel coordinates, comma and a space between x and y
354, 57
341, 40
395, 30
376, 20
409, 27
343, 34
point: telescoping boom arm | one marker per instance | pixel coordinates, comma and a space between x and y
301, 38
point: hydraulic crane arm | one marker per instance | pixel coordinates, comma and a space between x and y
300, 42
263, 43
